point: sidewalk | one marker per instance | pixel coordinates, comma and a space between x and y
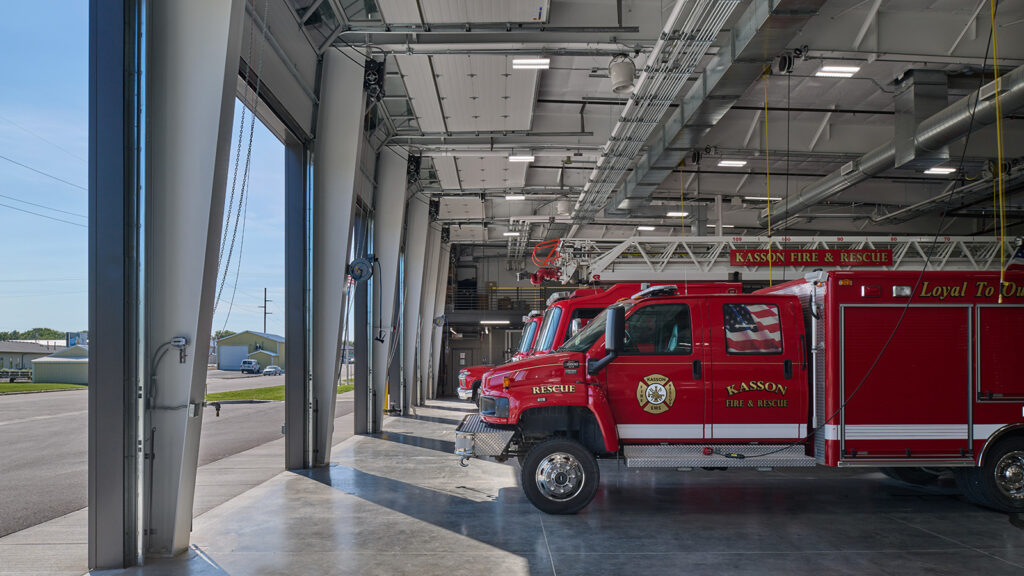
59, 547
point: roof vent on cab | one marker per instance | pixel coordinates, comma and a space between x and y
653, 291
558, 297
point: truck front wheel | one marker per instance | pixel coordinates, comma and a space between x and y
999, 483
560, 476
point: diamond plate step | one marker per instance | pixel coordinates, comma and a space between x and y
692, 456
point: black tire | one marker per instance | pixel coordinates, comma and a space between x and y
560, 476
914, 476
476, 393
999, 482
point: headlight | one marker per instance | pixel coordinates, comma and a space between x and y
496, 406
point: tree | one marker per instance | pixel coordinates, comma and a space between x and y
33, 334
223, 334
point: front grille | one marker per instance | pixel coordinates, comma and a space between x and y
496, 406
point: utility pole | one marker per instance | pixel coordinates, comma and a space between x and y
265, 313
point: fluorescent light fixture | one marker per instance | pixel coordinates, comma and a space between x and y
723, 225
940, 170
515, 197
495, 322
677, 214
762, 198
732, 163
645, 228
841, 69
521, 158
510, 233
837, 71
531, 63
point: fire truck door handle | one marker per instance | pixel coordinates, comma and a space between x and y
787, 368
803, 353
696, 370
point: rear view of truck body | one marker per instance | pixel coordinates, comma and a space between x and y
935, 383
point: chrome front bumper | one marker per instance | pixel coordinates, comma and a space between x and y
465, 394
474, 438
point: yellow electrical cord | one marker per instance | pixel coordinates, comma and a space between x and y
767, 178
1001, 227
682, 209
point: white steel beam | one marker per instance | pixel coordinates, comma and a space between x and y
388, 221
416, 249
441, 291
426, 327
192, 64
336, 171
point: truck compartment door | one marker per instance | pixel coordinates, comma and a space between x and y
998, 346
913, 399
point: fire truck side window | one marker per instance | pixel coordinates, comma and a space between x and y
659, 329
752, 329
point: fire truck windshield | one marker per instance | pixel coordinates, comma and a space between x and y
527, 342
582, 341
548, 328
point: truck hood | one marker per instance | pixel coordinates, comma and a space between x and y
554, 368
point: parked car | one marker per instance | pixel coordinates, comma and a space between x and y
272, 371
250, 366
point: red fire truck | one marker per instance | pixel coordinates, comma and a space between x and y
471, 376
901, 370
568, 312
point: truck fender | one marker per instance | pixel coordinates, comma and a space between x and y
996, 437
598, 404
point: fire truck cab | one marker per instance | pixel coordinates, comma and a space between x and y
879, 369
471, 376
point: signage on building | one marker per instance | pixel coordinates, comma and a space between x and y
824, 258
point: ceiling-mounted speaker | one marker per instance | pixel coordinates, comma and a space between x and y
786, 64
412, 169
621, 70
373, 78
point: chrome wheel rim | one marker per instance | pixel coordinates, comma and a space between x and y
560, 476
1009, 475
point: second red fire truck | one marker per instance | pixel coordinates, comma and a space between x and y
901, 370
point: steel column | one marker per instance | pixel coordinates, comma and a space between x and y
426, 313
192, 74
361, 326
296, 302
389, 217
115, 29
336, 160
443, 264
416, 250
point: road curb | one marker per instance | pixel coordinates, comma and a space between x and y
42, 391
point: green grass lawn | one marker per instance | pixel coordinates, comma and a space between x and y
268, 393
7, 387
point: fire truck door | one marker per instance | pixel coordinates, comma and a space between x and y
758, 378
656, 387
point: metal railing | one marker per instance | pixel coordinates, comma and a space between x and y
509, 298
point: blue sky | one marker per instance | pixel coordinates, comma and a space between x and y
44, 126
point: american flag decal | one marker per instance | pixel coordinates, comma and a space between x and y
752, 329
1017, 262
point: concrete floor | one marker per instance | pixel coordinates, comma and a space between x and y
397, 503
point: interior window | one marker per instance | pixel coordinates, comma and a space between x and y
659, 329
586, 314
752, 329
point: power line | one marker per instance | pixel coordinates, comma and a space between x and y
54, 144
43, 215
48, 175
43, 206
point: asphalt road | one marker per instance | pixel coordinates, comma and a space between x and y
43, 446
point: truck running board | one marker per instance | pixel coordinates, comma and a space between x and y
723, 456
